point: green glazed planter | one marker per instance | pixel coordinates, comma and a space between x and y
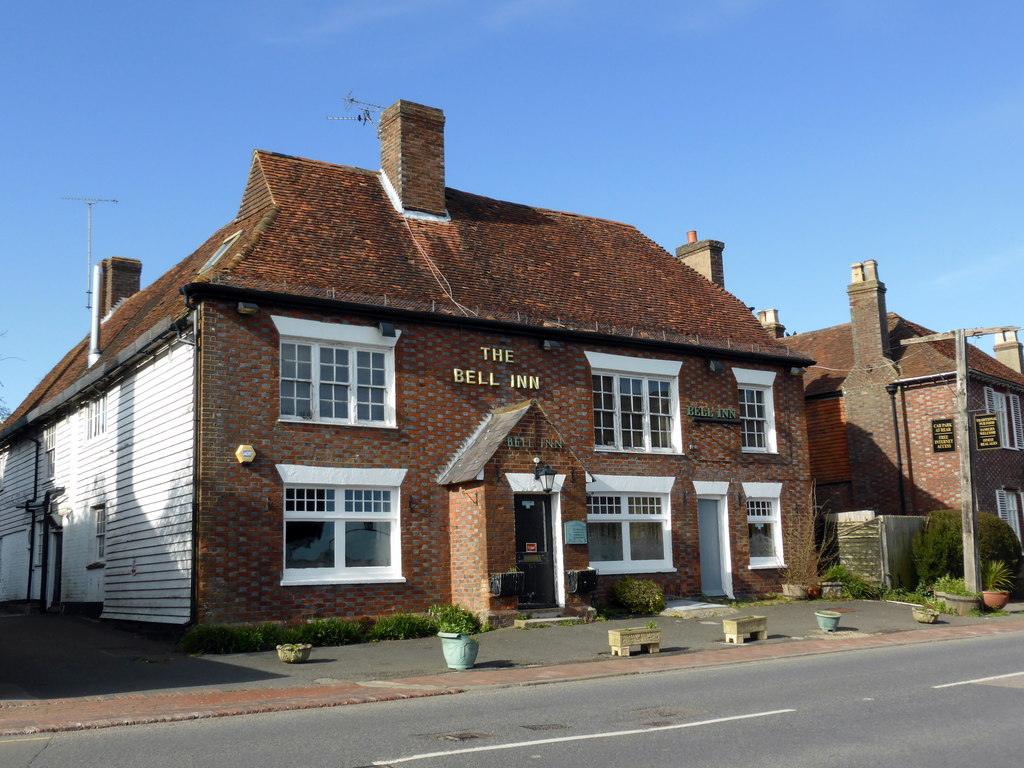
828, 621
459, 649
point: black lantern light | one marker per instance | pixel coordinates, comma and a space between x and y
545, 475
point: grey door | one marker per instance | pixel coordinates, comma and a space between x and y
710, 533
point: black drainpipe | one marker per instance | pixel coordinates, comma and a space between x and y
32, 520
892, 389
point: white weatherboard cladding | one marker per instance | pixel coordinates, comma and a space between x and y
140, 469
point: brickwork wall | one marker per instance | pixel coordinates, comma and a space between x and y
451, 540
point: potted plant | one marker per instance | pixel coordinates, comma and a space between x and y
577, 582
954, 593
996, 583
456, 627
511, 582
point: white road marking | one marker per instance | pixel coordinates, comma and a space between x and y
979, 680
563, 739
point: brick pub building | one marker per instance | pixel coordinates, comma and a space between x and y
371, 393
881, 414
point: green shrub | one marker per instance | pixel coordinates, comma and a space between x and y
402, 626
455, 618
638, 595
220, 639
855, 585
953, 585
938, 548
324, 632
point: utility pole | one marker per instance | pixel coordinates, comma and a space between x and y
965, 446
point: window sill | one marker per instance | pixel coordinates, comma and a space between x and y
619, 570
342, 580
637, 452
759, 452
94, 566
290, 420
766, 566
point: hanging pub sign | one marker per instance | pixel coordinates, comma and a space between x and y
943, 439
986, 431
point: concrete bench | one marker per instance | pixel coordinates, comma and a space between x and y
738, 629
648, 639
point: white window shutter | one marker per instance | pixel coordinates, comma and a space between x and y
1003, 505
1016, 421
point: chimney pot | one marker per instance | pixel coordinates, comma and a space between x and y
691, 236
1008, 350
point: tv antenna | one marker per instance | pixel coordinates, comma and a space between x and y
367, 112
89, 201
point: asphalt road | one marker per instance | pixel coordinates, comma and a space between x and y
954, 703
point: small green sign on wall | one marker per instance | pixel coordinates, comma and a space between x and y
575, 532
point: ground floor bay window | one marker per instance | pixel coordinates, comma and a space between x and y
341, 525
629, 524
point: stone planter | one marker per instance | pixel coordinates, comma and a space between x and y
959, 605
795, 591
925, 615
294, 653
620, 640
831, 590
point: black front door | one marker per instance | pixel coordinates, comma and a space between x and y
534, 556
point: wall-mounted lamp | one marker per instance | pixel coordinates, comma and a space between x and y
550, 344
248, 308
545, 475
796, 371
387, 329
715, 366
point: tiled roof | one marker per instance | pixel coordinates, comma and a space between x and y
832, 349
317, 229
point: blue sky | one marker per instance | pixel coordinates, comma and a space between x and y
806, 135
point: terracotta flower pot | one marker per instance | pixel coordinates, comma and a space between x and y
994, 599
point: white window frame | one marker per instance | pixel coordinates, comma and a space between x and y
99, 512
338, 336
761, 382
96, 417
1008, 504
620, 367
623, 488
50, 452
339, 480
770, 494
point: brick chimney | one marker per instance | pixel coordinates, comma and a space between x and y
769, 319
121, 279
1008, 350
704, 256
868, 323
412, 155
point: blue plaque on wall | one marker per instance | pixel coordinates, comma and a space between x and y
575, 532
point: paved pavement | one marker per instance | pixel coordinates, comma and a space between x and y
63, 673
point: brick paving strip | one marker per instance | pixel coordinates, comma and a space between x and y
89, 712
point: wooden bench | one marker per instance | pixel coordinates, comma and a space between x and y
738, 629
647, 638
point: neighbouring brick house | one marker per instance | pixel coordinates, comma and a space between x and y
881, 414
348, 400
